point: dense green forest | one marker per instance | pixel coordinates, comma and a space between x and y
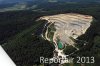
19, 38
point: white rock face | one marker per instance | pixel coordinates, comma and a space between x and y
65, 28
68, 25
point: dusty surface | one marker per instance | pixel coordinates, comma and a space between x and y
67, 27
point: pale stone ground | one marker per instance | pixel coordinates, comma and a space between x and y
67, 25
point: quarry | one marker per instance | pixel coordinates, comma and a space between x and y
63, 29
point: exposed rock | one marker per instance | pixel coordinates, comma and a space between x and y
65, 28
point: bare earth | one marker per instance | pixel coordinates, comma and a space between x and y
70, 25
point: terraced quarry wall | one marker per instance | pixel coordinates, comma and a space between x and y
63, 29
67, 25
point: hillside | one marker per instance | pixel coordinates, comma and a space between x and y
64, 29
20, 32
